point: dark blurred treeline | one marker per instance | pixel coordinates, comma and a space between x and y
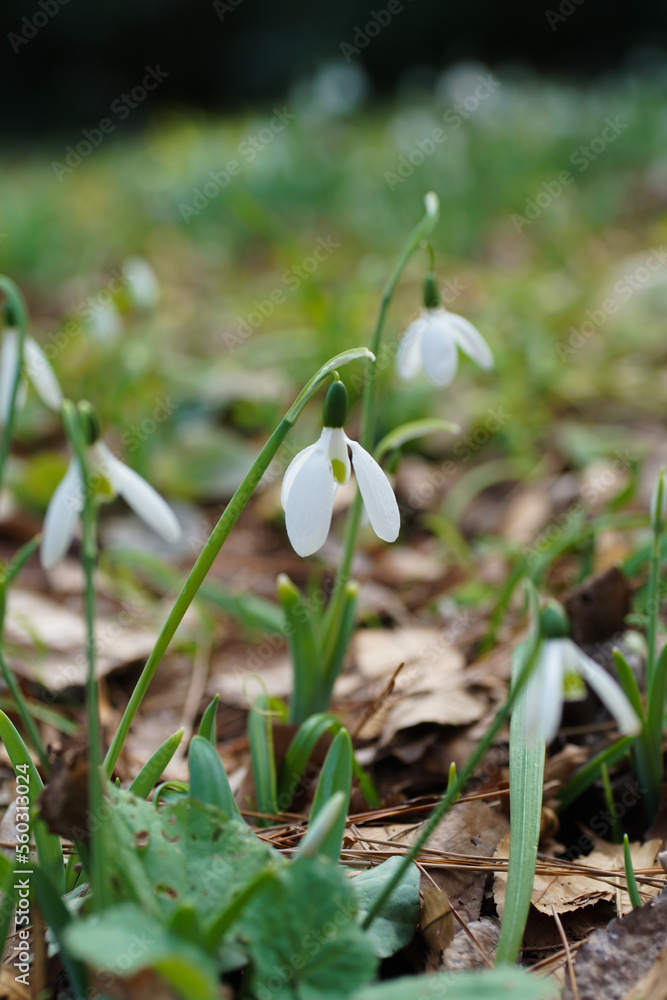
66, 61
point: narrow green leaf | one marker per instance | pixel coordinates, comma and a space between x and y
337, 645
633, 891
300, 751
335, 776
628, 682
8, 899
399, 436
526, 766
304, 650
207, 727
208, 778
260, 737
585, 777
49, 850
153, 769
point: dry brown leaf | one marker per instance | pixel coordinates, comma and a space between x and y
470, 830
431, 687
436, 923
9, 988
573, 889
54, 638
475, 947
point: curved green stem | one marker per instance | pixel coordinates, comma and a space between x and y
216, 541
368, 422
89, 551
18, 306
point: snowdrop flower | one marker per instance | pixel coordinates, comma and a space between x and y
433, 340
35, 367
109, 478
313, 477
559, 675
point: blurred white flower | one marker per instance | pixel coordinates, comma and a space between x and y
431, 343
142, 283
106, 322
311, 483
110, 477
36, 368
561, 666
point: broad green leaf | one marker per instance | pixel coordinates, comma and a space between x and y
180, 854
302, 936
396, 923
335, 776
492, 984
208, 778
47, 845
207, 727
123, 940
153, 769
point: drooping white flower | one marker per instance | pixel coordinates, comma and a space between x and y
558, 674
36, 368
431, 343
109, 478
314, 475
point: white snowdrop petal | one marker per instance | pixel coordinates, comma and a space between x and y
145, 501
439, 350
377, 494
64, 507
471, 341
409, 357
293, 469
42, 375
309, 502
9, 357
551, 708
608, 691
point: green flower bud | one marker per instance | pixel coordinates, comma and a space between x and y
431, 292
335, 405
90, 422
9, 317
554, 623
